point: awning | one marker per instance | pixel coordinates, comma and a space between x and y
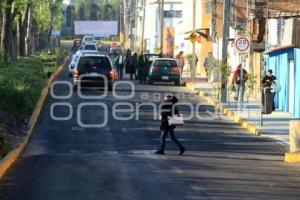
279, 49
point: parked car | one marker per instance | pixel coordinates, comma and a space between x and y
151, 57
75, 58
89, 70
164, 70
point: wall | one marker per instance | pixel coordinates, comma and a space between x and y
152, 25
297, 83
185, 25
206, 45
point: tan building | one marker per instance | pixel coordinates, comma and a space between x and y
243, 21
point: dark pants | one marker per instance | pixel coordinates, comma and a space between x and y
145, 75
268, 100
164, 135
132, 73
120, 69
142, 75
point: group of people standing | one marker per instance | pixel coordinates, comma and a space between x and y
137, 65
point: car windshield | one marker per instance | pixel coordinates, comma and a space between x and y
94, 64
88, 39
90, 47
165, 63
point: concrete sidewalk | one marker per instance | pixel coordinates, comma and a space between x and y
275, 125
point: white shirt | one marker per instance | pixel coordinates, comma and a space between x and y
120, 60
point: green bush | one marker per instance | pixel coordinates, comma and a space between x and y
21, 83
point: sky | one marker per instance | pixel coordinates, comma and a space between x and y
66, 1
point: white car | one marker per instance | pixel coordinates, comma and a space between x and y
87, 39
90, 46
75, 58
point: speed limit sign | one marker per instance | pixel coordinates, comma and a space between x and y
242, 44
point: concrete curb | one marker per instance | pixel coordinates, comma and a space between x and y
12, 156
226, 111
294, 155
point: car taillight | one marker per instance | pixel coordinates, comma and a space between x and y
155, 68
114, 75
176, 69
76, 74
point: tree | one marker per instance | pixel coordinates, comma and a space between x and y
94, 12
48, 16
81, 12
26, 21
101, 11
6, 28
23, 8
108, 12
69, 17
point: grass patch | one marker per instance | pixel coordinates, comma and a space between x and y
21, 83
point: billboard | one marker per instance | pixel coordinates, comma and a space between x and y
96, 28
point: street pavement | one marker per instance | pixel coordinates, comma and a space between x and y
64, 161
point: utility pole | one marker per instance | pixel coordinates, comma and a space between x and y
144, 18
28, 32
264, 67
136, 25
162, 18
125, 22
193, 70
226, 21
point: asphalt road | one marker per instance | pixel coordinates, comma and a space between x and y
64, 161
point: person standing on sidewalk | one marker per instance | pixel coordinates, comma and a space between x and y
239, 80
168, 107
128, 57
268, 81
133, 64
209, 63
180, 60
142, 62
119, 63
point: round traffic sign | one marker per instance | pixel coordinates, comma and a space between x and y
242, 44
